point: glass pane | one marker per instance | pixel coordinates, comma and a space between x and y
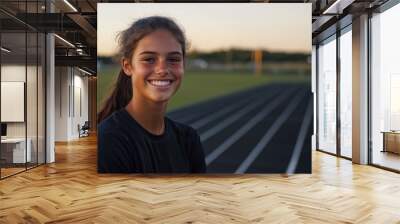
31, 98
385, 89
346, 94
327, 97
13, 85
32, 8
41, 98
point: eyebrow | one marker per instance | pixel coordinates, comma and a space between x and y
169, 53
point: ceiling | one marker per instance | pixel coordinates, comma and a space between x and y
331, 15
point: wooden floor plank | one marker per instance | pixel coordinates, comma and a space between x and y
71, 191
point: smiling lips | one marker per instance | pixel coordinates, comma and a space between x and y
161, 83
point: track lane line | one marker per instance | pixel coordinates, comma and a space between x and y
228, 121
184, 115
300, 139
246, 127
233, 106
269, 134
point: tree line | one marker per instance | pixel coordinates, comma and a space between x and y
235, 56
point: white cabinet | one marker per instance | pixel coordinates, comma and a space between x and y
19, 155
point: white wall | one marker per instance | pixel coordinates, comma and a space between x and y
62, 80
13, 72
71, 93
79, 111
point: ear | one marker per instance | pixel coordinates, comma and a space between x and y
126, 66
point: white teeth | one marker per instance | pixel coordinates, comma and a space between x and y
160, 82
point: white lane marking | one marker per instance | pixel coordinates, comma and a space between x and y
187, 117
225, 123
200, 123
268, 136
266, 110
300, 139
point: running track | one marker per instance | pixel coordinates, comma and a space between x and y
266, 129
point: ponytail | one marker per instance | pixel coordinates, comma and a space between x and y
119, 97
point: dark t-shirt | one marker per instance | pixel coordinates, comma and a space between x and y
124, 146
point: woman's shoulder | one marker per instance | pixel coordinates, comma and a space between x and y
111, 133
112, 123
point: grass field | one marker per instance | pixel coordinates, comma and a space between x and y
200, 86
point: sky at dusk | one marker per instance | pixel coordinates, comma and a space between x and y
215, 26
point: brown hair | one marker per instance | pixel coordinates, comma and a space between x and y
128, 39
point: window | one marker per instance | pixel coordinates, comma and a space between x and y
346, 92
385, 88
327, 95
22, 76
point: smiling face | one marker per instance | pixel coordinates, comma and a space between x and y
156, 67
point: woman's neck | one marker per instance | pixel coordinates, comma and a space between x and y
148, 114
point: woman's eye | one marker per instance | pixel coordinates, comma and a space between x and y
174, 60
149, 60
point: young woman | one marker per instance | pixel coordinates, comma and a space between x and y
134, 136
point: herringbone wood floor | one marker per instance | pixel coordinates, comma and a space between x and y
70, 191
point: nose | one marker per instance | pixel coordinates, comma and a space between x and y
162, 67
